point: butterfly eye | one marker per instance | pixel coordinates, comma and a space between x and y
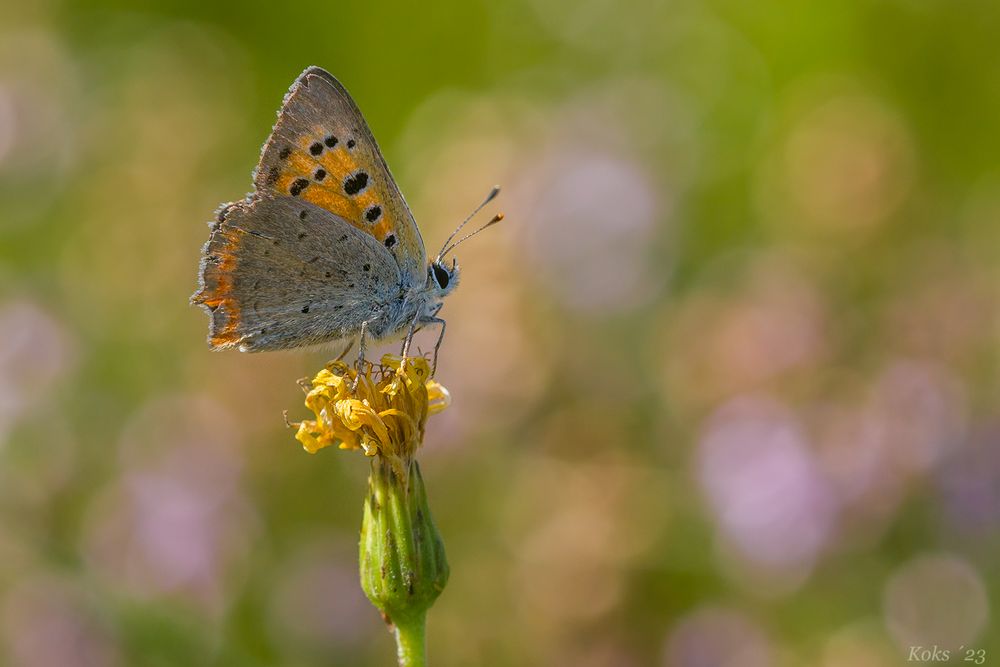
441, 275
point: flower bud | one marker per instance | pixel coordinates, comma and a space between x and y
403, 564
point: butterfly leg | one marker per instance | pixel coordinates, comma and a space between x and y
347, 348
359, 363
437, 345
409, 335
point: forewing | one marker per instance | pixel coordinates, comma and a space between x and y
281, 273
322, 151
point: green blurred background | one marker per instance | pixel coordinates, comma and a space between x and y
725, 381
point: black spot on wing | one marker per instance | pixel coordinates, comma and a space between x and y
351, 143
373, 213
316, 148
390, 240
320, 174
356, 183
285, 152
298, 186
330, 141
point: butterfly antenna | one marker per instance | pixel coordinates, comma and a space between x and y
496, 218
490, 197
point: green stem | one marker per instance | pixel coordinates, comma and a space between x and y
402, 561
410, 641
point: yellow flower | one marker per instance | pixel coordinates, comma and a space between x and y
383, 414
383, 411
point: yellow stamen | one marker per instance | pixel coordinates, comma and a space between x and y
384, 415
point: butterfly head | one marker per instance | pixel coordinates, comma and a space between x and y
442, 279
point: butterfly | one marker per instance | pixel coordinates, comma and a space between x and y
325, 248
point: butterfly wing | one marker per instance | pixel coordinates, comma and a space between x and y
279, 273
322, 151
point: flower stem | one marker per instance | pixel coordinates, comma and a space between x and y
402, 559
410, 641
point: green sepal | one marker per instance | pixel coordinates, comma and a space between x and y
402, 557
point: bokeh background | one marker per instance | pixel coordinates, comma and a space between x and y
725, 381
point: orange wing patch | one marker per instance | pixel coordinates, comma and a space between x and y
216, 292
325, 170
